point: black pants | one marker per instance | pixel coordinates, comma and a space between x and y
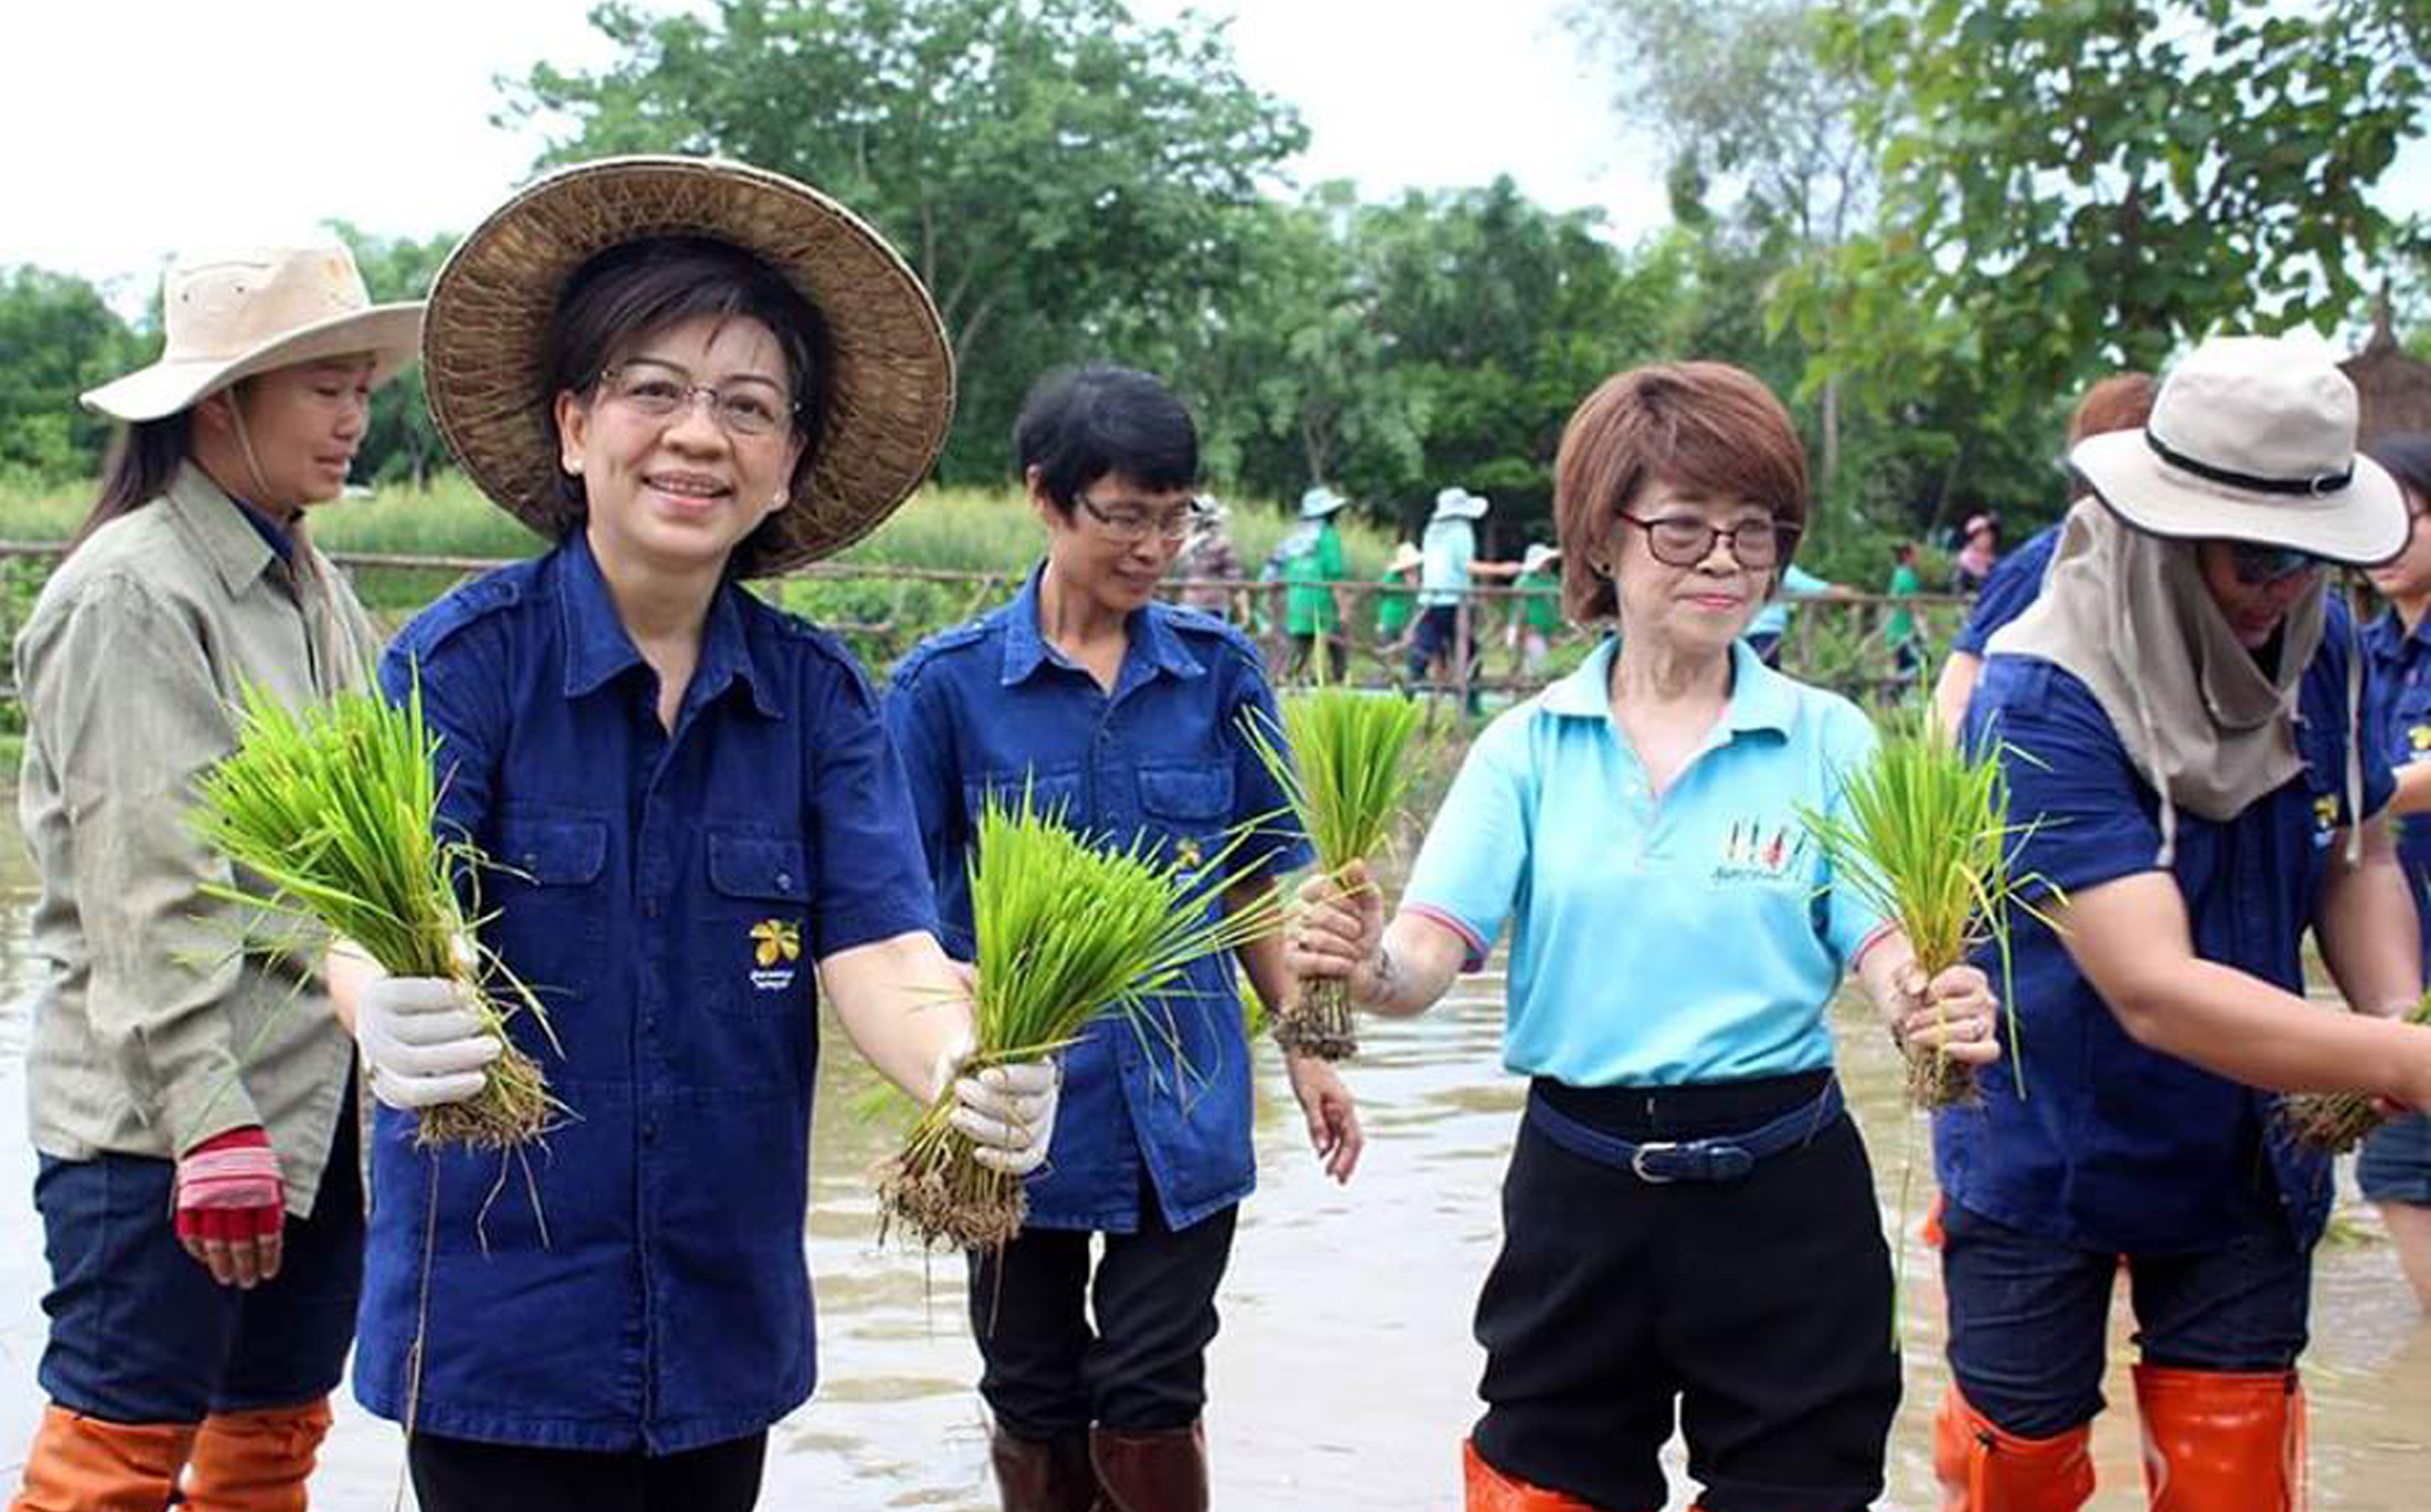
1758, 1310
1143, 1366
460, 1475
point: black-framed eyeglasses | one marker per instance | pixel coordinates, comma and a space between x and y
1685, 540
2257, 566
1130, 525
741, 405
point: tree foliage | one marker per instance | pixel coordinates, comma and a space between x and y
2068, 186
60, 338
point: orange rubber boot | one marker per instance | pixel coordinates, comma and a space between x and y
2221, 1438
1488, 1489
1984, 1469
80, 1464
256, 1461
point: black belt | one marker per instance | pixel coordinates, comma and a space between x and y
1716, 1158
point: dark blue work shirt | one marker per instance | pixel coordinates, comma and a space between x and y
2397, 704
667, 896
2015, 581
2115, 1146
990, 706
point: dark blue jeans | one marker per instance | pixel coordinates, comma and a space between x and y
140, 1334
2028, 1316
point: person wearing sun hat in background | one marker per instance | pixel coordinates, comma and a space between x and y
1448, 563
1311, 567
1534, 619
2394, 1168
686, 373
1396, 601
2180, 739
192, 1103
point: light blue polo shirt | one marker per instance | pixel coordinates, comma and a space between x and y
1697, 938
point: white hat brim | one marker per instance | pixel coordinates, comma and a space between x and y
391, 333
2361, 525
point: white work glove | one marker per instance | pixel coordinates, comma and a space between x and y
423, 1045
1009, 1113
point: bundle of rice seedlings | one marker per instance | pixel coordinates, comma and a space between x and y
1925, 837
1345, 765
2336, 1123
331, 808
1065, 930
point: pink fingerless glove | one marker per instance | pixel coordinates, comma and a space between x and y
229, 1188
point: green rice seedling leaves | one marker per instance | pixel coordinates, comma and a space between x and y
1065, 930
329, 810
1923, 835
2336, 1123
1344, 760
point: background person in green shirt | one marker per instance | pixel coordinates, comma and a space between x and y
1397, 600
1312, 565
1771, 624
1534, 619
1900, 628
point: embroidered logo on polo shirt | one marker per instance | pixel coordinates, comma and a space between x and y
1186, 854
773, 943
1757, 853
2326, 817
2419, 738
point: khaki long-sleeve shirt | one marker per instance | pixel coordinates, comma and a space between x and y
159, 1023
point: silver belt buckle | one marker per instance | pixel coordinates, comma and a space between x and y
1637, 1163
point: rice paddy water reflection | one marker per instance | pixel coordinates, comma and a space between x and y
1344, 1374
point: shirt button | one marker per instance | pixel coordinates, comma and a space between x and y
785, 880
651, 1133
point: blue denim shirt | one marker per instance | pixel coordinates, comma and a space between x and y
2397, 720
990, 706
667, 899
2116, 1147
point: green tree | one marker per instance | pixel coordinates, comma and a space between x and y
1043, 164
2074, 186
58, 338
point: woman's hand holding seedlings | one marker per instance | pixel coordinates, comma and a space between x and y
1955, 1012
1337, 930
422, 1042
1008, 1112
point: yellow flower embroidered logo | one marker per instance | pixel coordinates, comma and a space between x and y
2418, 737
1186, 852
2326, 817
775, 940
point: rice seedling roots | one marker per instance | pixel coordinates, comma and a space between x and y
1935, 1081
1320, 1023
2330, 1122
937, 1192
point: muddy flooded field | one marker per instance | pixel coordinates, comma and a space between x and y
1344, 1374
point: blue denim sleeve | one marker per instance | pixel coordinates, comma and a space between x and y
920, 723
2017, 582
872, 883
2084, 811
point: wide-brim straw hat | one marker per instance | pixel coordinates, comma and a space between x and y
890, 373
1539, 556
231, 315
2251, 438
1405, 556
1320, 501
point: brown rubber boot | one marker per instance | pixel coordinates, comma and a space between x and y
256, 1461
1983, 1468
80, 1464
1163, 1470
2221, 1438
1048, 1476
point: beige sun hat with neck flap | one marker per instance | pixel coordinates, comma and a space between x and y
2251, 438
234, 314
890, 379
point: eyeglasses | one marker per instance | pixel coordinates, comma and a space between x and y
2258, 566
1132, 526
1683, 540
741, 405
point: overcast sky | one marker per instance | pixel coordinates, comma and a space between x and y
134, 128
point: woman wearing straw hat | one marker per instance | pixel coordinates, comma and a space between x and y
191, 1102
1690, 1230
1128, 719
2182, 736
686, 373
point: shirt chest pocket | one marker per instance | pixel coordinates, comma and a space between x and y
752, 946
1188, 807
549, 905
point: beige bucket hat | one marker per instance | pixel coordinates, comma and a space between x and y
2251, 438
233, 315
891, 379
1457, 503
